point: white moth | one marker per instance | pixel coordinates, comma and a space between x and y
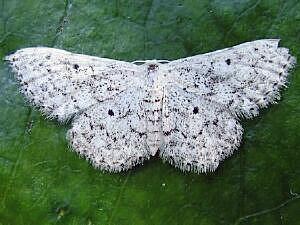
187, 110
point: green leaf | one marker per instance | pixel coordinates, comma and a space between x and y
43, 182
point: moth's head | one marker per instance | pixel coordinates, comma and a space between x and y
151, 65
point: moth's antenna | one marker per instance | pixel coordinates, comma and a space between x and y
163, 61
139, 62
144, 61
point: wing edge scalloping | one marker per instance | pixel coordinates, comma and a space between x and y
195, 169
134, 164
275, 93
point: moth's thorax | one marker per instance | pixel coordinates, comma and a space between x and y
153, 104
153, 74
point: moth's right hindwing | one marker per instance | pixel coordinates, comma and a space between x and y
112, 135
61, 83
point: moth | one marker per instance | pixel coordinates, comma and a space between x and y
188, 110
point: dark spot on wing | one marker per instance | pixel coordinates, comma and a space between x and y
76, 66
215, 122
110, 112
167, 133
228, 61
195, 110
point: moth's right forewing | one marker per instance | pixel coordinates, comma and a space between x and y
61, 83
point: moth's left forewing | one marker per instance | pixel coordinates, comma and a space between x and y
244, 78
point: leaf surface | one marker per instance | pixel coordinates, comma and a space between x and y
42, 181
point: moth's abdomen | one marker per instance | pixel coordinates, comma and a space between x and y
153, 111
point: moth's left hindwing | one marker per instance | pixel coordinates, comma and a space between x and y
198, 133
61, 83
